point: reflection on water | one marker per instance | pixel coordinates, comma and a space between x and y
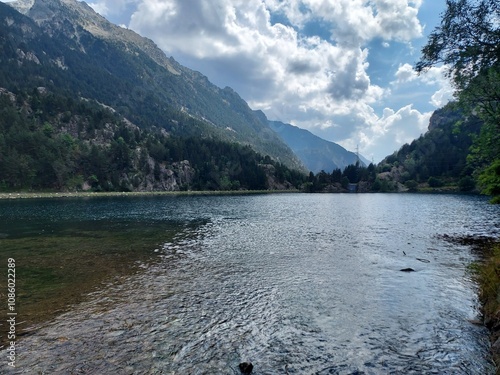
297, 284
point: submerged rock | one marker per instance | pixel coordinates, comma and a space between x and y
246, 367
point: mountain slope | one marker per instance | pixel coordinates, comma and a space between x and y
71, 48
50, 141
440, 155
316, 153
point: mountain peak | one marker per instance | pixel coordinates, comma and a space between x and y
131, 74
53, 13
23, 6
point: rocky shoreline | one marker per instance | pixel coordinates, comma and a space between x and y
81, 194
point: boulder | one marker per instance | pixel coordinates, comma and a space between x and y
246, 367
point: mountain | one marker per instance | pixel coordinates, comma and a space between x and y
316, 153
65, 46
439, 156
86, 105
53, 142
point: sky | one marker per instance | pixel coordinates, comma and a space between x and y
342, 69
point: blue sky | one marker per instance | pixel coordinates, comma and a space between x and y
339, 68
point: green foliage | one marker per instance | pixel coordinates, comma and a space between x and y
339, 180
490, 181
435, 182
467, 41
466, 184
411, 185
442, 153
383, 186
96, 148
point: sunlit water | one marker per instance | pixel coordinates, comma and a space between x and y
295, 283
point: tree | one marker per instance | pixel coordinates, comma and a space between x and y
490, 179
467, 40
468, 43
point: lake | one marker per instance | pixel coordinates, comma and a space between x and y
294, 283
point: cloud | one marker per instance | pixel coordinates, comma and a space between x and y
405, 74
434, 77
315, 80
100, 8
379, 136
354, 22
111, 7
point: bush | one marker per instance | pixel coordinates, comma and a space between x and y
411, 185
434, 182
466, 183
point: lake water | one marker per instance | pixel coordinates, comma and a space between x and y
294, 283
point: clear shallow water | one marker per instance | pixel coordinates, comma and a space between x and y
297, 284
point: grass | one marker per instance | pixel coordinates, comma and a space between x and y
487, 273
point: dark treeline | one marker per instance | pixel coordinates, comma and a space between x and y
353, 178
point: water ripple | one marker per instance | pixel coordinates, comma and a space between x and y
311, 287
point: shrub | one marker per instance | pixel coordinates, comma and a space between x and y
411, 185
434, 182
466, 183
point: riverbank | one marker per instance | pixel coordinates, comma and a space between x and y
488, 274
82, 194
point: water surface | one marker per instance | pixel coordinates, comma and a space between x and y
295, 283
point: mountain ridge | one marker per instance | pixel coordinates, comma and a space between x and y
315, 152
133, 80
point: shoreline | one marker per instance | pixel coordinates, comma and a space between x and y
488, 279
93, 194
83, 194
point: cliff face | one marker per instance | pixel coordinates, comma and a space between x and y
80, 152
172, 177
52, 142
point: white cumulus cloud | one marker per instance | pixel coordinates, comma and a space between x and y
319, 81
434, 77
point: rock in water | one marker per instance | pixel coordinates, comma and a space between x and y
246, 367
407, 270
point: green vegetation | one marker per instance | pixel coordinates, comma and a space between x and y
487, 273
52, 142
467, 41
363, 179
439, 157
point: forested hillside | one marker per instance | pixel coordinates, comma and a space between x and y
72, 51
468, 42
438, 157
54, 142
